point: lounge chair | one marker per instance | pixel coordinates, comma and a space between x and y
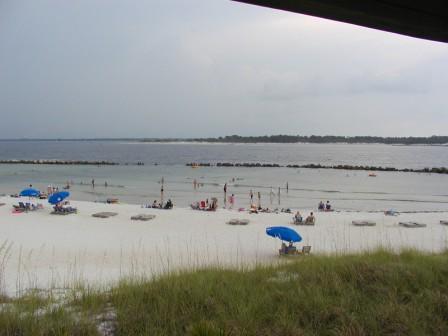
238, 222
412, 224
305, 250
104, 214
22, 207
363, 223
292, 250
143, 217
58, 210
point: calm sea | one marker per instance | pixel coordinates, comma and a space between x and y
348, 190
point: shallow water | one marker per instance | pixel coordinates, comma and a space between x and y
347, 190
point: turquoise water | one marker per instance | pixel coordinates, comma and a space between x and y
348, 190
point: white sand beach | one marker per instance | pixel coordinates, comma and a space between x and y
43, 250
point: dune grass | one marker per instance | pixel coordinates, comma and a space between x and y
377, 293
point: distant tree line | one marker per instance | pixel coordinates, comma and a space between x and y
432, 140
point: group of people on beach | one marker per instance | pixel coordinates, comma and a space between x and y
298, 219
160, 205
206, 205
324, 207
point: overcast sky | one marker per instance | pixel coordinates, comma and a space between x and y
191, 68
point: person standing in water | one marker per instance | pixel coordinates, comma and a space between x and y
161, 191
93, 183
195, 184
225, 195
287, 187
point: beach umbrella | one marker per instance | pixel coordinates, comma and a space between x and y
30, 192
58, 197
284, 233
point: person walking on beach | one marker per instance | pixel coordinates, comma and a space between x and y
287, 187
251, 197
225, 195
278, 195
232, 201
259, 200
271, 195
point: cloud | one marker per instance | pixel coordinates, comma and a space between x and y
208, 68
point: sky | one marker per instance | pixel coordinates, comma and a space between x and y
208, 68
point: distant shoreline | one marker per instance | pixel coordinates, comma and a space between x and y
268, 139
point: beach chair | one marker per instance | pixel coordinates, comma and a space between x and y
305, 250
70, 210
283, 250
21, 207
412, 224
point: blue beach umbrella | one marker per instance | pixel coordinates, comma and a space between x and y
58, 197
284, 233
30, 192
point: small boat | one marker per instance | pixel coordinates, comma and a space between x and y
372, 174
112, 200
444, 222
194, 165
391, 212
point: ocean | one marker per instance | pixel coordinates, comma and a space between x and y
140, 184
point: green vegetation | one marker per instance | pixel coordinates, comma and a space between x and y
432, 140
280, 138
376, 293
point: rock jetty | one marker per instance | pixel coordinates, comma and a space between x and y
60, 162
434, 170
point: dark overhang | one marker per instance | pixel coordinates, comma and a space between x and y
423, 19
